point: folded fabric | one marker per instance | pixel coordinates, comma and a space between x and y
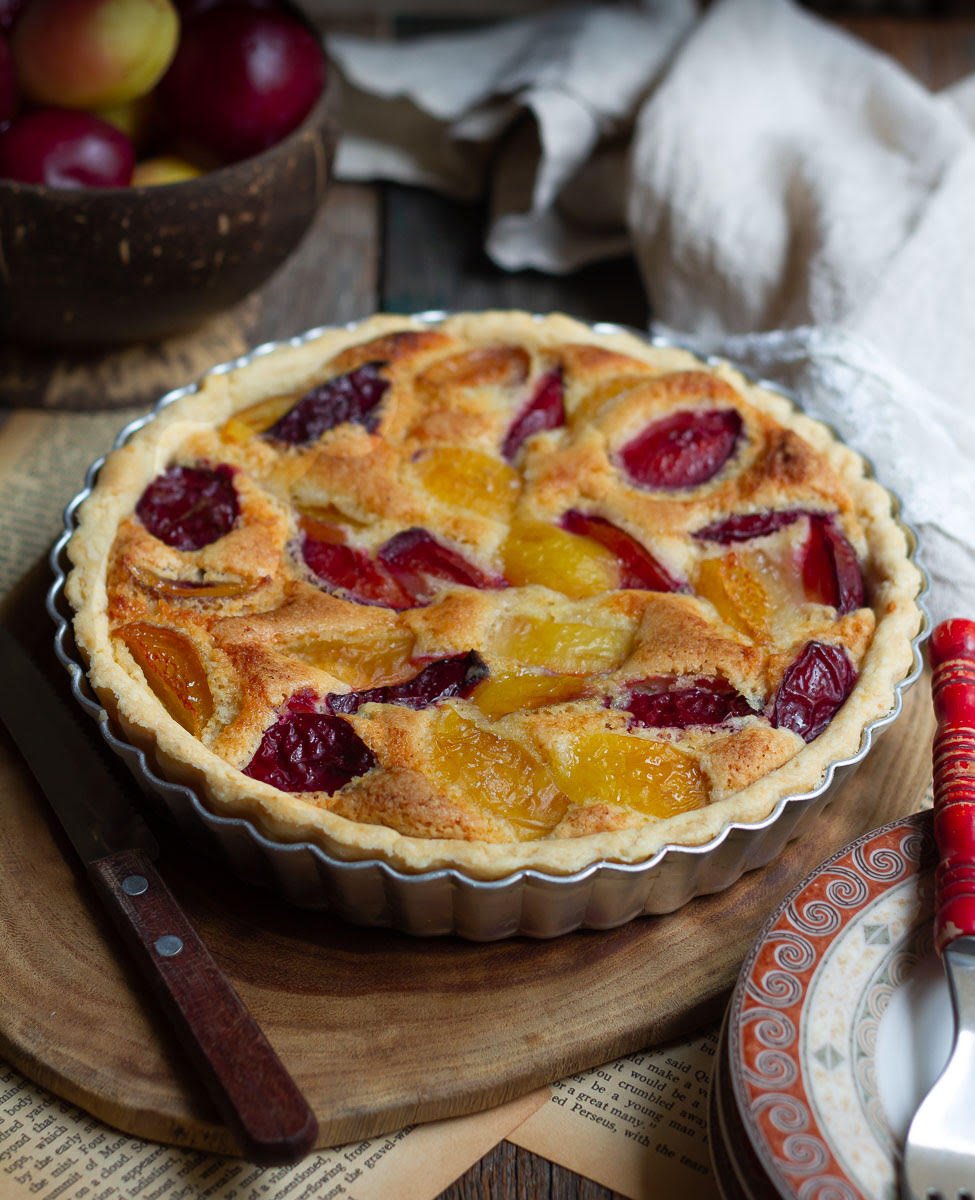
785, 174
794, 199
544, 104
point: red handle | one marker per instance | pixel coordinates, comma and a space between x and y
252, 1089
953, 688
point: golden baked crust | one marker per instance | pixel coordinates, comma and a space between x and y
557, 744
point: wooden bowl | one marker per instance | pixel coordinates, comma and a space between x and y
102, 266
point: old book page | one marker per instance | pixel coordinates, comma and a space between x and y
43, 459
637, 1125
50, 1150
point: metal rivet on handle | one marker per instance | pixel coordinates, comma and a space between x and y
135, 885
168, 945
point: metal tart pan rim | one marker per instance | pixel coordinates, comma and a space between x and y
527, 902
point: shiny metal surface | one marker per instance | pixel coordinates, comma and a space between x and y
528, 903
939, 1157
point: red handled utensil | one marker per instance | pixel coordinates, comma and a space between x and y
939, 1156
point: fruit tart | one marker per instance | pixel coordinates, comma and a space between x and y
491, 592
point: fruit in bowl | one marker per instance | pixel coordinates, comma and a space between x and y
241, 80
157, 160
61, 148
217, 84
93, 53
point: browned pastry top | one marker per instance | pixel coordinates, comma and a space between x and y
496, 593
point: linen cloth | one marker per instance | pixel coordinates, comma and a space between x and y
794, 199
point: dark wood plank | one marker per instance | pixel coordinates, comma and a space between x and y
510, 1171
937, 52
433, 258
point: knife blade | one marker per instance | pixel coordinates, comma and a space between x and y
258, 1099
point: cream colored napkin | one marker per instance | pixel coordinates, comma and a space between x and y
537, 112
794, 199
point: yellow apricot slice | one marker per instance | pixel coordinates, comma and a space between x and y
470, 479
173, 670
499, 695
250, 422
539, 553
358, 660
619, 768
496, 773
563, 647
736, 591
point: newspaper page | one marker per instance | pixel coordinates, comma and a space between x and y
50, 1150
43, 460
637, 1125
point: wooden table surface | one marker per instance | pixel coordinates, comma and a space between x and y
405, 250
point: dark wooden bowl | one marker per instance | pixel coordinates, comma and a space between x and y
102, 266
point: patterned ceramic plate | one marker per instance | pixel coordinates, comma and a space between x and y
839, 1024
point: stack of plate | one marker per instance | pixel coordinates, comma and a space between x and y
838, 1025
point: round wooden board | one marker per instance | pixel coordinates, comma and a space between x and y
380, 1030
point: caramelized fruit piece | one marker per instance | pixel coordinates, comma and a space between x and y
637, 566
357, 660
191, 589
190, 507
545, 410
353, 397
414, 556
683, 450
327, 522
830, 571
322, 526
255, 419
535, 552
656, 704
737, 592
494, 366
353, 573
310, 752
496, 773
618, 768
813, 689
469, 479
742, 527
457, 675
173, 670
565, 647
503, 694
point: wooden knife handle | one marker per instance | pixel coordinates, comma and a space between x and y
255, 1095
953, 688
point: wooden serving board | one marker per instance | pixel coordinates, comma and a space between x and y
379, 1029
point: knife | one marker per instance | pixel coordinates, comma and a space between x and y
255, 1095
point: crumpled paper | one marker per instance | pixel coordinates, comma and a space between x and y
795, 201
